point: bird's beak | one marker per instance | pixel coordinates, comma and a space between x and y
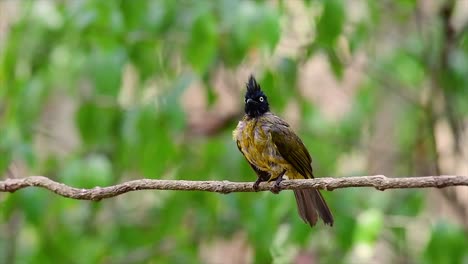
249, 101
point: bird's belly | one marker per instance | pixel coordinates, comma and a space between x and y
259, 150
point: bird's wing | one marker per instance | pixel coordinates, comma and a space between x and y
265, 176
291, 148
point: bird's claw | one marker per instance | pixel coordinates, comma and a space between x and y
276, 187
257, 184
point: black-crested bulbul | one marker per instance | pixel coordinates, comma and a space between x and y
274, 150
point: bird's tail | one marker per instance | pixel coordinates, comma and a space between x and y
310, 205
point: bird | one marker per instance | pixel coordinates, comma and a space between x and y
273, 151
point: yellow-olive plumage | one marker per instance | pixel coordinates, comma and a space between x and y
273, 150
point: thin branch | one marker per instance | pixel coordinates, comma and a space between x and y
379, 182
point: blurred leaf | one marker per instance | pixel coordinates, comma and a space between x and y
410, 119
369, 226
244, 29
345, 228
408, 70
363, 109
447, 245
98, 124
335, 63
407, 5
287, 69
135, 13
330, 23
281, 249
105, 67
329, 27
269, 28
148, 142
32, 201
359, 36
31, 101
209, 92
280, 85
202, 46
170, 106
411, 204
144, 56
252, 25
94, 171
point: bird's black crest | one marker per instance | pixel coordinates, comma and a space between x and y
252, 85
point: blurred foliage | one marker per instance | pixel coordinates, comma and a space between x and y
80, 49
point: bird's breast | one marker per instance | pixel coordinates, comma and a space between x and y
256, 144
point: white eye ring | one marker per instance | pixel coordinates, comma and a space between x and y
261, 99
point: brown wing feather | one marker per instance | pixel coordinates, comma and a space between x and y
292, 149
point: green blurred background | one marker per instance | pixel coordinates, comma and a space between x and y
95, 93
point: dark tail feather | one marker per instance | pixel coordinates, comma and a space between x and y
311, 204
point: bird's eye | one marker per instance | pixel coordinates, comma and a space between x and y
261, 99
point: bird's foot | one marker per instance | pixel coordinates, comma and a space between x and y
276, 187
256, 184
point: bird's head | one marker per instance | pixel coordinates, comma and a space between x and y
256, 102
